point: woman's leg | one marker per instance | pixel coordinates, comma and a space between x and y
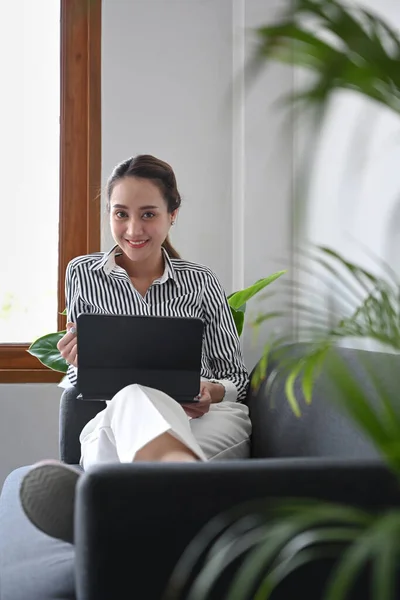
47, 491
139, 424
224, 432
47, 495
165, 448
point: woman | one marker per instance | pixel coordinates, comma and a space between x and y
144, 275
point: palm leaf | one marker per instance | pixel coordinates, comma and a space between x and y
386, 563
361, 59
265, 541
376, 316
385, 529
309, 546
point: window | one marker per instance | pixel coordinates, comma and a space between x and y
50, 203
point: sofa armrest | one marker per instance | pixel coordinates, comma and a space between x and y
136, 519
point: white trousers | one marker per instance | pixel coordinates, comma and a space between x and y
138, 414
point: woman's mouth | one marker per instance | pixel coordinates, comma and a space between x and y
138, 244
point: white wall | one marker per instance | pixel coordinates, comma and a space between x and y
169, 92
166, 74
28, 425
166, 82
354, 199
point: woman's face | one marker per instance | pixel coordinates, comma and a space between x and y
139, 218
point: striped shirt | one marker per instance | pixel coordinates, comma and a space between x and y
96, 284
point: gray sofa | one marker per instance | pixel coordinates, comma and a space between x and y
134, 521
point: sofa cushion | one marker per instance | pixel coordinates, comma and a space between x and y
33, 565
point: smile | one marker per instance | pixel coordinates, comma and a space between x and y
139, 244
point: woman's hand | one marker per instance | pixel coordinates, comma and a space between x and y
209, 393
68, 345
200, 408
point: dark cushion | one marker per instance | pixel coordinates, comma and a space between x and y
74, 414
33, 566
323, 430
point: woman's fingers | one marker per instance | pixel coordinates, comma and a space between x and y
70, 327
194, 410
67, 337
67, 346
73, 357
67, 342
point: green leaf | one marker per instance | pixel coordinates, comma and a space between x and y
45, 350
311, 370
64, 312
352, 561
238, 299
363, 56
263, 541
297, 552
238, 317
289, 389
386, 563
260, 369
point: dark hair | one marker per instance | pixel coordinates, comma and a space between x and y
160, 173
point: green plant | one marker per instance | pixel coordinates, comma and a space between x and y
344, 47
275, 540
45, 347
353, 49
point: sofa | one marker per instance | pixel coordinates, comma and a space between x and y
133, 521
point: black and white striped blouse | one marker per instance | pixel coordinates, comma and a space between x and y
96, 284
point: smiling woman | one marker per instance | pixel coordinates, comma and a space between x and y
52, 156
142, 211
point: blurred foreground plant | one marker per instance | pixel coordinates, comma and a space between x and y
343, 46
271, 542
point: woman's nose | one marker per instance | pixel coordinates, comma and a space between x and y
135, 227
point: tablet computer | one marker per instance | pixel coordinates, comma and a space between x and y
159, 352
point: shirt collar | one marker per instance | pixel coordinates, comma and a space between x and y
108, 264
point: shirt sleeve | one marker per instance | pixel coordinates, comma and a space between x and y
222, 350
71, 298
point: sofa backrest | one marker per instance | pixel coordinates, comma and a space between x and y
323, 429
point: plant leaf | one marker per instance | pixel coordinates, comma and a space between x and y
358, 59
238, 299
238, 317
268, 538
386, 563
354, 558
308, 546
311, 370
289, 389
45, 350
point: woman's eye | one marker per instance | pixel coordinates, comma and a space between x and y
148, 215
120, 214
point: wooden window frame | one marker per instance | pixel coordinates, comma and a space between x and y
80, 166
